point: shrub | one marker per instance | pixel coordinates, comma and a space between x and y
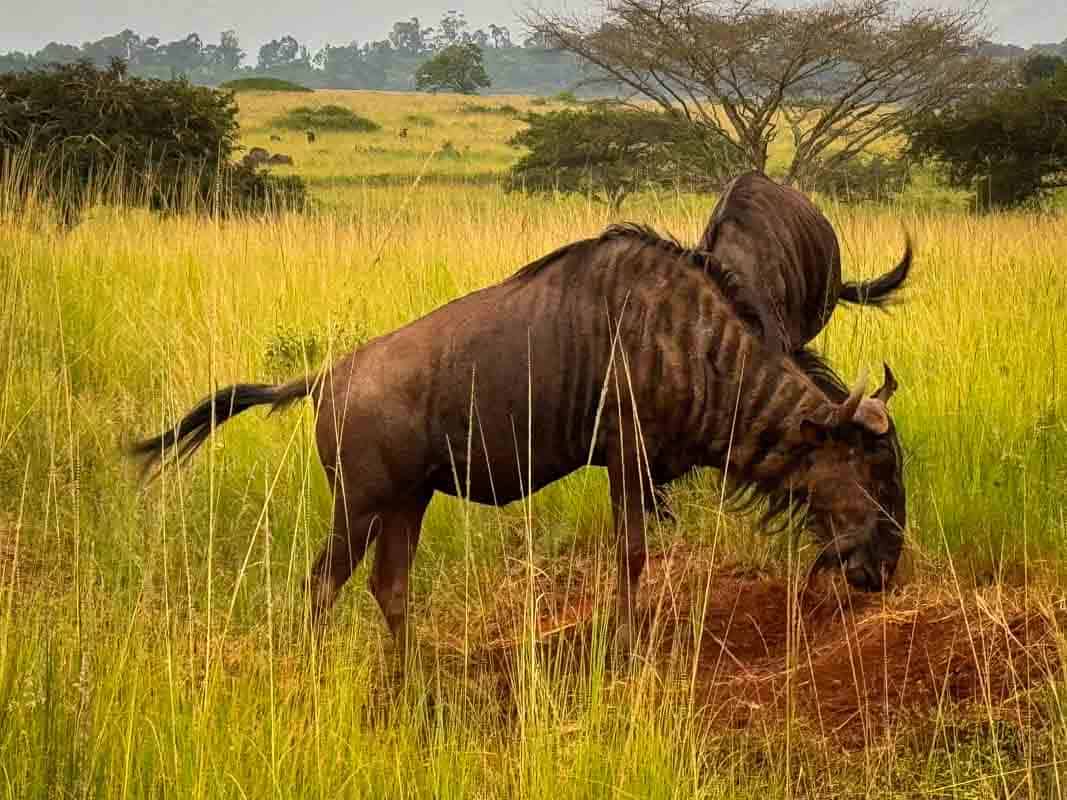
863, 179
289, 351
608, 153
479, 108
449, 151
263, 85
325, 118
69, 131
420, 120
1040, 67
567, 98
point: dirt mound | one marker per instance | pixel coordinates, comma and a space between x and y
753, 649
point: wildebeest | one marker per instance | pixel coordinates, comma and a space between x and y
786, 256
280, 158
625, 351
403, 133
311, 137
255, 157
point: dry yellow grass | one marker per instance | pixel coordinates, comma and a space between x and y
166, 660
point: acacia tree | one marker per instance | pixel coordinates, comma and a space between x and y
839, 74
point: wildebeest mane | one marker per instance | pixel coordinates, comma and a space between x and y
784, 508
728, 283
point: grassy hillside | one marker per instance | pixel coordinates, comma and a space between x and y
152, 641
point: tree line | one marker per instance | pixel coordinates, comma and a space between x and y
516, 63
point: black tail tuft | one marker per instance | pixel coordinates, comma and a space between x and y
196, 426
878, 293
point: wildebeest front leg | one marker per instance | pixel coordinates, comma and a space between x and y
392, 566
631, 499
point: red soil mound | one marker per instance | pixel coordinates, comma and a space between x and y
848, 663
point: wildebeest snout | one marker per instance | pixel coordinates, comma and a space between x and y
868, 562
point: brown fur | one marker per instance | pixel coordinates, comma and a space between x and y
786, 255
622, 351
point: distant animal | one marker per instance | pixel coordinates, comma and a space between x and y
275, 137
280, 158
786, 255
255, 157
403, 133
311, 137
621, 351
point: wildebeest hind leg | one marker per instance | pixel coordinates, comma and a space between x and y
393, 558
661, 500
353, 531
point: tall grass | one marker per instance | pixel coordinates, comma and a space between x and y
152, 641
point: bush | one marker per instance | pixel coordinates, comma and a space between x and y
608, 153
449, 151
479, 108
874, 179
69, 132
420, 120
1040, 67
263, 85
290, 352
1009, 147
325, 118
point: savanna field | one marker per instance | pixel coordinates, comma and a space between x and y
153, 640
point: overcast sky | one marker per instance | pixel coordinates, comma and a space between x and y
30, 24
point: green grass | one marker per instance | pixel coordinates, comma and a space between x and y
151, 641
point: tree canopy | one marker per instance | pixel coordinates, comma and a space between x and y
457, 68
839, 74
1009, 146
514, 63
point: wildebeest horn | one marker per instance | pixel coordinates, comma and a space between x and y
885, 391
847, 410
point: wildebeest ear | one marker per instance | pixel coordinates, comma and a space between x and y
885, 391
873, 416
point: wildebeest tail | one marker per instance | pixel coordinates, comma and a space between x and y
195, 427
879, 291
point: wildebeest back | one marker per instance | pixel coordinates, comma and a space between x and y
786, 255
786, 251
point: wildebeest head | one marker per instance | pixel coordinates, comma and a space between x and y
853, 483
